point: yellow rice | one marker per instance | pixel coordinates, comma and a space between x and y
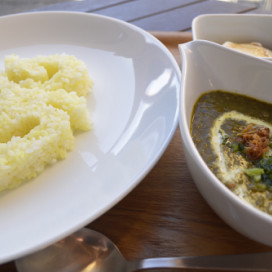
42, 102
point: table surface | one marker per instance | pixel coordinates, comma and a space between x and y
164, 215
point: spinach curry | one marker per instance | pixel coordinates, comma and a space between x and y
232, 132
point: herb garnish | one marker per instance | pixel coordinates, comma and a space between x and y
255, 145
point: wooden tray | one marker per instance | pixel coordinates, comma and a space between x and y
165, 215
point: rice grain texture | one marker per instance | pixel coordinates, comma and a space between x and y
42, 104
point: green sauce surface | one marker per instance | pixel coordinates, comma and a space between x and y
218, 117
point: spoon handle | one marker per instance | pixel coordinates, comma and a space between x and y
244, 262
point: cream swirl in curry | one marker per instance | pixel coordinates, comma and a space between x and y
233, 135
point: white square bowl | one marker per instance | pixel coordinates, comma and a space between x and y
238, 28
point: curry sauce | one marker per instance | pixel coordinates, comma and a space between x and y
232, 132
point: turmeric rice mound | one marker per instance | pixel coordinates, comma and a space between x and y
42, 103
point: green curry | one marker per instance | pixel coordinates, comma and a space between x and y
232, 134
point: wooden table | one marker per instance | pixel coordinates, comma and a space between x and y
165, 215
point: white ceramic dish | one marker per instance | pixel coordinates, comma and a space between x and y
134, 108
208, 66
238, 28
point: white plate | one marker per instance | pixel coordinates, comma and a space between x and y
134, 109
239, 28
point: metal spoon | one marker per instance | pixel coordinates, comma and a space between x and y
90, 251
